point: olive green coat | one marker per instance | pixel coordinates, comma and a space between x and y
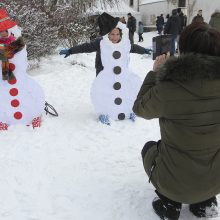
185, 96
215, 21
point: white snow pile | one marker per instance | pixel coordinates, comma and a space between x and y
73, 167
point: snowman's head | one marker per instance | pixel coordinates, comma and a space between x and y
115, 35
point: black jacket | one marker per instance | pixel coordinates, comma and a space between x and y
160, 21
94, 46
173, 25
183, 21
198, 18
131, 24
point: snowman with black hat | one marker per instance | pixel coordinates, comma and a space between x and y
115, 88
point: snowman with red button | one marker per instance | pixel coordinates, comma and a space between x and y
22, 99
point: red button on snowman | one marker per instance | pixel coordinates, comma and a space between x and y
22, 99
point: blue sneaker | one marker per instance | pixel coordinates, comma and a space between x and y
132, 116
104, 119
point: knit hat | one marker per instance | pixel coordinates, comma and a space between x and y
106, 23
5, 21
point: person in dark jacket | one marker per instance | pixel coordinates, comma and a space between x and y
183, 19
198, 17
184, 94
167, 18
160, 23
173, 27
131, 25
114, 81
215, 20
94, 46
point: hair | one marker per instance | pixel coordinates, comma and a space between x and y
179, 10
200, 38
120, 31
129, 14
122, 19
174, 12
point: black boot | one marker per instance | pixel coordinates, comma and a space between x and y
206, 208
166, 208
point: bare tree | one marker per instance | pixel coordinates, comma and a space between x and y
40, 36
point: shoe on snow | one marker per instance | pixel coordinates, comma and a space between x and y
132, 116
166, 211
207, 209
104, 119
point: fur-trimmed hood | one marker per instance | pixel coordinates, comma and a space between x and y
190, 67
216, 15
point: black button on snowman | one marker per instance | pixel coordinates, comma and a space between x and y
117, 70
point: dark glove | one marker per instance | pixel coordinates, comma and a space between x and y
147, 51
65, 52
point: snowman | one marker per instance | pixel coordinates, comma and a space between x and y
115, 89
22, 99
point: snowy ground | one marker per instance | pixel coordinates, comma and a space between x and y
74, 168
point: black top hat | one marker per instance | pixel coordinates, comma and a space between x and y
106, 23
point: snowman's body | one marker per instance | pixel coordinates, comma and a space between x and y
22, 99
115, 89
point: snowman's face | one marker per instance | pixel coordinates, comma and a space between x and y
114, 36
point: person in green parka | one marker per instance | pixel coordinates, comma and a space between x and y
184, 93
215, 20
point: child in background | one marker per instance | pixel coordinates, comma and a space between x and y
140, 31
5, 38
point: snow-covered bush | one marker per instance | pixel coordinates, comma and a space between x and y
48, 23
40, 36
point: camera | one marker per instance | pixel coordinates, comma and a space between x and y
161, 45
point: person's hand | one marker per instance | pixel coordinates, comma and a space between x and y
65, 52
160, 60
148, 51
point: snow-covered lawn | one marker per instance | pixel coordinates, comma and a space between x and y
73, 167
